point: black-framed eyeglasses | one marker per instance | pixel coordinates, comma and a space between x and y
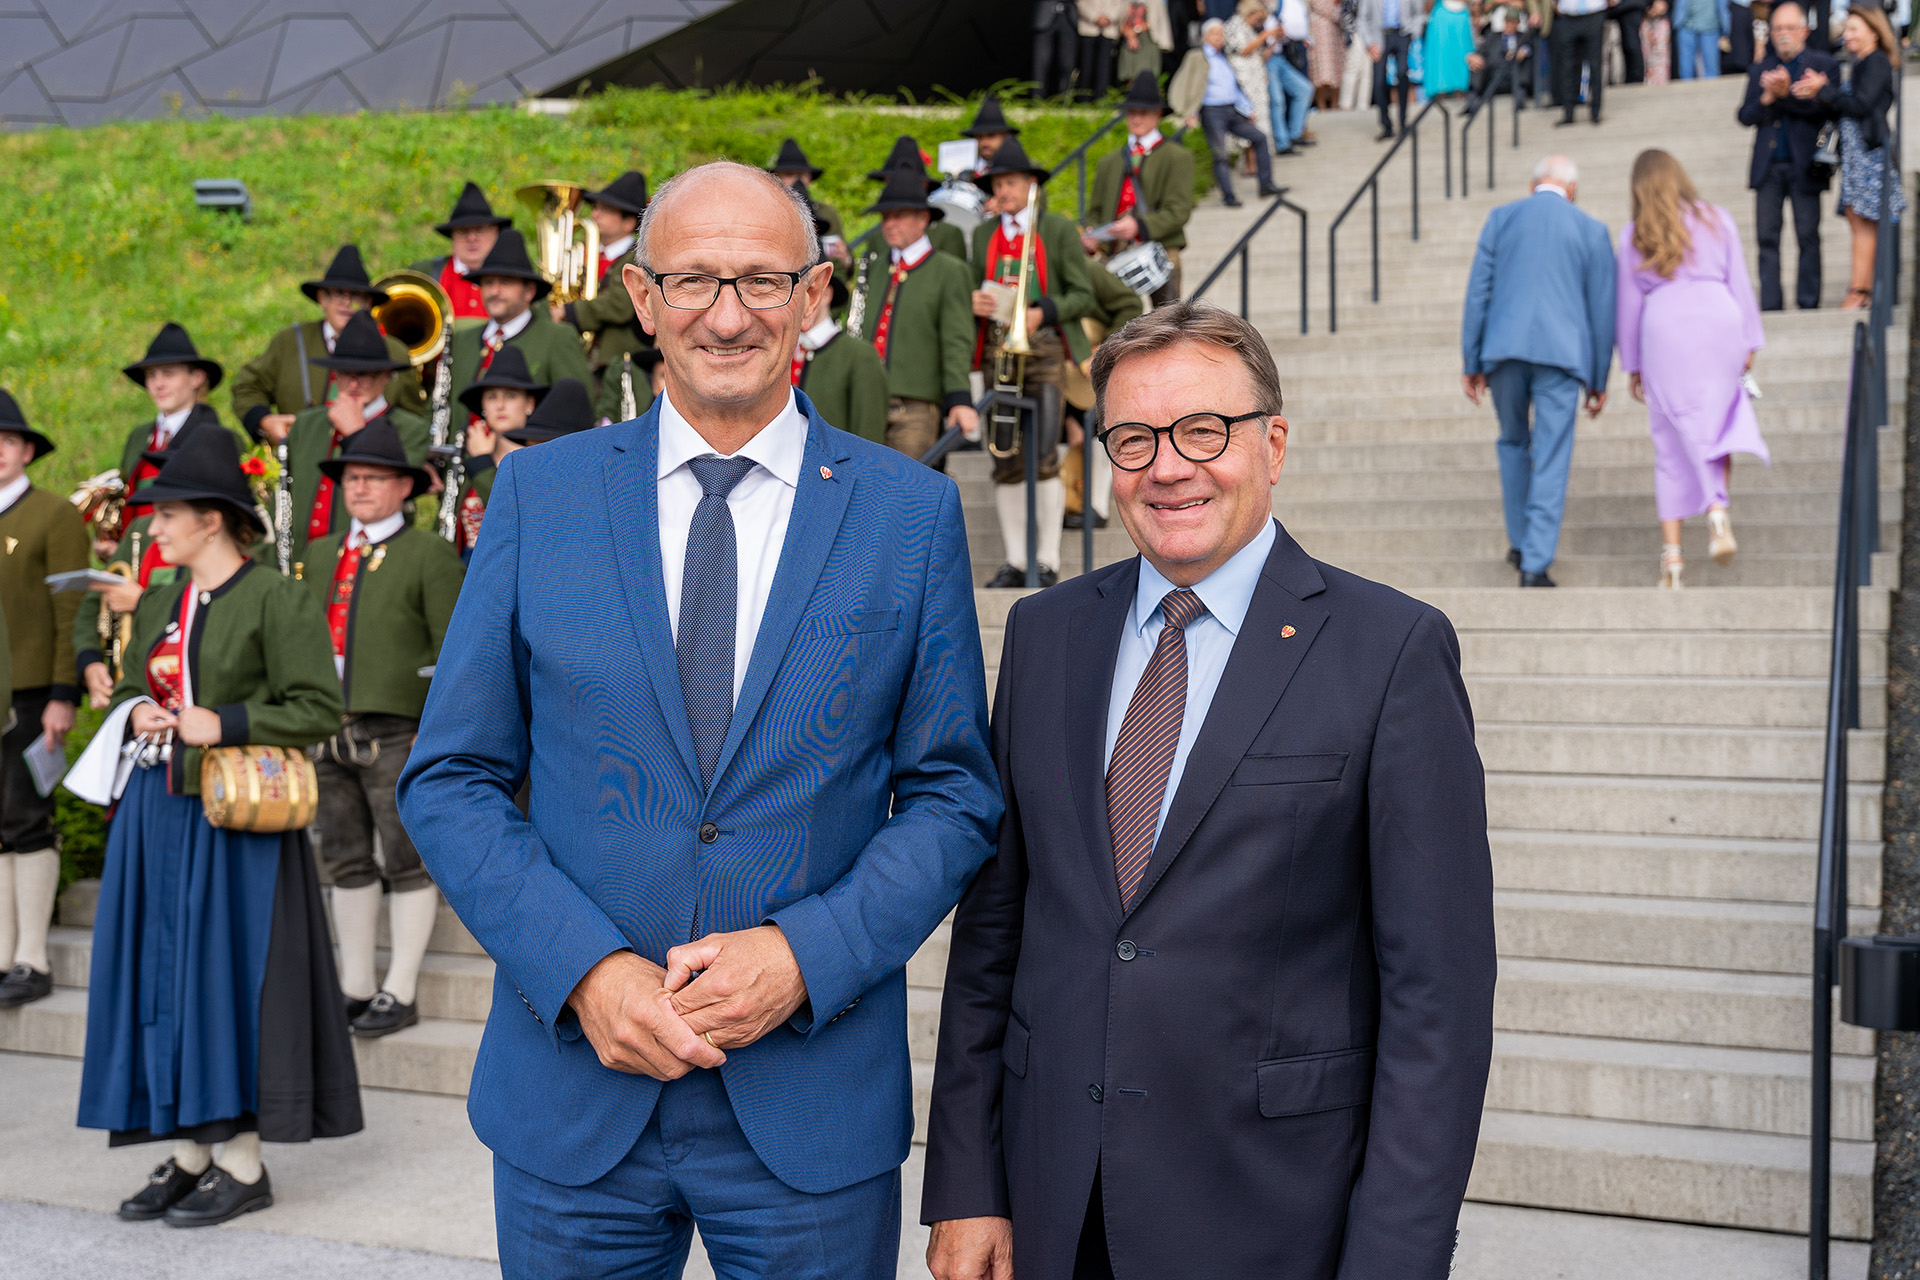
692, 291
1198, 437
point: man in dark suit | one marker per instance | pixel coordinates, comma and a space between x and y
1785, 129
1222, 1001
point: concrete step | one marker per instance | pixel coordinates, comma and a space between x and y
1685, 806
1745, 937
1659, 1171
1702, 702
1808, 506
1702, 867
1673, 750
1742, 1090
1487, 541
1571, 569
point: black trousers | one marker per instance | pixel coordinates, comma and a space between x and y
1218, 122
1629, 20
1577, 41
26, 816
1055, 47
1096, 66
1740, 56
1769, 216
1393, 48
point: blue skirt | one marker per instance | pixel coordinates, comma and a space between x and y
212, 1005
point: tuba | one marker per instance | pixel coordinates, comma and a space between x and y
566, 245
102, 503
1011, 345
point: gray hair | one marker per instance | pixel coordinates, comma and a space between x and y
1558, 170
1209, 25
802, 205
1200, 323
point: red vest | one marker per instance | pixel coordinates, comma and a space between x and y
462, 291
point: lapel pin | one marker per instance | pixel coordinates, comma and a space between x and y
825, 474
1286, 633
379, 554
14, 542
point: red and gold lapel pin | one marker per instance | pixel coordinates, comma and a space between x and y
1286, 633
825, 474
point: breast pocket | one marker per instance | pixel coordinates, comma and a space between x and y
1273, 771
859, 622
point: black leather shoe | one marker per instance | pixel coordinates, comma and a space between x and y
1048, 577
1536, 580
220, 1197
1513, 558
1008, 577
1271, 191
357, 1007
384, 1016
1561, 124
1230, 201
1386, 135
23, 985
167, 1186
1073, 520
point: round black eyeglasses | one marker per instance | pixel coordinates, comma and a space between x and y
1198, 437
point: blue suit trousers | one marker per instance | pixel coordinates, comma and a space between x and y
693, 1165
1534, 456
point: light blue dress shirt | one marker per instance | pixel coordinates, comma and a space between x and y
1227, 593
1223, 87
1390, 15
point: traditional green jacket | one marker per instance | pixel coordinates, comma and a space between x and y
946, 237
609, 315
848, 385
931, 333
274, 381
41, 534
1166, 181
1069, 292
1113, 303
258, 656
606, 400
309, 443
830, 216
552, 350
402, 598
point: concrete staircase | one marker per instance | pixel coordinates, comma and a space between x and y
1653, 758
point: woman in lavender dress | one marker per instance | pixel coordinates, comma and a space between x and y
1687, 330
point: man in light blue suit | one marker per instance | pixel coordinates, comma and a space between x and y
733, 652
1538, 328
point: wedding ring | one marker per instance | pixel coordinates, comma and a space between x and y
708, 1037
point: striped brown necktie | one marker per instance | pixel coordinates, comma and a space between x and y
1143, 754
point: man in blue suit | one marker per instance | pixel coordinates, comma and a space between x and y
1538, 328
733, 652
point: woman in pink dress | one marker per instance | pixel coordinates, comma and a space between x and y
1687, 328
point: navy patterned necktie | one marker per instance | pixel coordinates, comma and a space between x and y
1143, 753
709, 604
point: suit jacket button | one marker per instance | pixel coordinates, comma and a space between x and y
708, 833
1126, 950
1095, 1092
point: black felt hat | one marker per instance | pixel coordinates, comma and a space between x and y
1144, 95
471, 210
1010, 158
905, 189
988, 119
377, 445
793, 160
346, 272
172, 345
11, 419
509, 369
204, 466
361, 348
647, 357
905, 155
566, 409
509, 259
195, 423
627, 193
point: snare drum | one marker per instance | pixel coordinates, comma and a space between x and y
962, 202
1145, 268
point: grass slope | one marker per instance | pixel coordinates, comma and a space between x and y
100, 242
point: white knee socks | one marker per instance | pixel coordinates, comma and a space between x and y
192, 1157
36, 878
413, 914
356, 919
1010, 502
1050, 506
9, 917
240, 1156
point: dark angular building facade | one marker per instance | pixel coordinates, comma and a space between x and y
80, 62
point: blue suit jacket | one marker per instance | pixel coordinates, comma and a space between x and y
854, 797
1542, 290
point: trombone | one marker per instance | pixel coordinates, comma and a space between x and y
1012, 344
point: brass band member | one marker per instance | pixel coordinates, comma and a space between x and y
918, 317
41, 533
792, 167
561, 412
1059, 293
504, 397
363, 368
472, 228
906, 155
510, 285
274, 387
387, 589
989, 131
841, 375
1113, 305
608, 316
1144, 191
213, 1016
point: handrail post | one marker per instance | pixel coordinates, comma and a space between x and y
1246, 281
1087, 516
1303, 267
1080, 164
1446, 151
1513, 90
1375, 192
1333, 278
1413, 153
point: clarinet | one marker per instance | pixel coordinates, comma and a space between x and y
283, 511
857, 313
442, 396
629, 407
456, 480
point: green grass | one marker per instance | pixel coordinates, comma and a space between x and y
100, 242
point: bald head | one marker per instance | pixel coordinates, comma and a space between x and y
722, 185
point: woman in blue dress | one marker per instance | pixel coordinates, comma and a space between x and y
214, 1019
1449, 39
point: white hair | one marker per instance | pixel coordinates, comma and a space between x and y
793, 195
1558, 170
1209, 25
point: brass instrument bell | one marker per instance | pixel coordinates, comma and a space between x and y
417, 312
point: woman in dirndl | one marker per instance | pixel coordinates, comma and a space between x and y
1869, 187
214, 1019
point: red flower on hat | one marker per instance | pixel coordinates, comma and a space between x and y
253, 467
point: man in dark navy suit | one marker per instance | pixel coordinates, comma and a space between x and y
1786, 134
1222, 1002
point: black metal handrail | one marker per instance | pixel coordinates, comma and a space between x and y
1242, 249
1410, 137
1078, 158
1511, 71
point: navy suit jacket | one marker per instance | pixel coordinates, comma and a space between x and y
1801, 117
1542, 290
1276, 1059
853, 799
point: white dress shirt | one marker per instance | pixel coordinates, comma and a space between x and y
1227, 593
815, 338
169, 425
913, 253
13, 492
511, 329
761, 504
329, 335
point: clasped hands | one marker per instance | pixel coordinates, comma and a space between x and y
1776, 84
723, 991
